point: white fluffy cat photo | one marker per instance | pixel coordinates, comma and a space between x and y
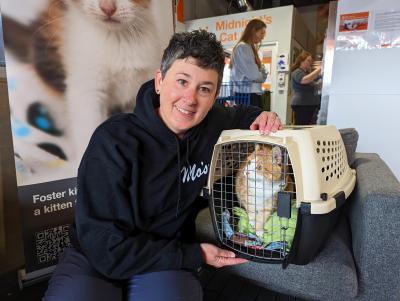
110, 47
94, 55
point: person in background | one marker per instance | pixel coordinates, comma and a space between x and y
246, 65
134, 232
305, 103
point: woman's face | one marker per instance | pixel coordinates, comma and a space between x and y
259, 35
307, 63
187, 93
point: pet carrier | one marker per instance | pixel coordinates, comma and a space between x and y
234, 93
276, 198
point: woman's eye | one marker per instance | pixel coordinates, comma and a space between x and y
205, 90
182, 82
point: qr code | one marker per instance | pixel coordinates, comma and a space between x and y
51, 242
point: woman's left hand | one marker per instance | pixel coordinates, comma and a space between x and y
217, 257
267, 122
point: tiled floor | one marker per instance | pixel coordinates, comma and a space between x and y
218, 285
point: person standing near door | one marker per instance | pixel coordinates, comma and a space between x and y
246, 65
304, 101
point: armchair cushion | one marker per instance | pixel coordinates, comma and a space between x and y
374, 213
350, 139
331, 276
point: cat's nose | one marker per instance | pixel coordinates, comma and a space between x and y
108, 7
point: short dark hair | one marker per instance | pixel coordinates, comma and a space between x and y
201, 45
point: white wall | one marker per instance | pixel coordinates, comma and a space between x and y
279, 30
365, 89
163, 14
309, 15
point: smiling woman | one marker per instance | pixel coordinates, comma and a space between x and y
188, 81
187, 93
140, 180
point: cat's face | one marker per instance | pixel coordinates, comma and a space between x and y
187, 93
265, 162
115, 13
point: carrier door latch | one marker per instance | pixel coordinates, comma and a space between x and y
340, 198
284, 204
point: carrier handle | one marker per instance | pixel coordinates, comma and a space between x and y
250, 136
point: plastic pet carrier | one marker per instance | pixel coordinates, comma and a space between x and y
276, 198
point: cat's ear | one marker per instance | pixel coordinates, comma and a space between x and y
277, 154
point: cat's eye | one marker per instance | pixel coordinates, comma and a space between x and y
259, 167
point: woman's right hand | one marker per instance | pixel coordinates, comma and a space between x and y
218, 257
317, 69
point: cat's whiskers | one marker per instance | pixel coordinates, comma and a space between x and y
46, 24
133, 29
90, 7
94, 12
53, 9
54, 5
51, 37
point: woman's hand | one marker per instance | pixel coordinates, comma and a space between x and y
267, 122
309, 78
218, 257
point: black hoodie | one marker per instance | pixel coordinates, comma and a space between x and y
138, 184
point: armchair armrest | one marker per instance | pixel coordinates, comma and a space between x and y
374, 215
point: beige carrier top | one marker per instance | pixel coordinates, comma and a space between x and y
318, 160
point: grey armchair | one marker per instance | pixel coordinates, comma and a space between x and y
361, 259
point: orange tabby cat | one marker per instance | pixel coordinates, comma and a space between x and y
259, 179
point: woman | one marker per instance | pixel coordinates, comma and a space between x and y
245, 63
133, 236
304, 101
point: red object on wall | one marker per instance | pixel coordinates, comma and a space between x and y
179, 11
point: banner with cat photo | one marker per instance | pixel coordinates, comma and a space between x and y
70, 65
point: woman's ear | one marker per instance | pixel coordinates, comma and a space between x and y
158, 81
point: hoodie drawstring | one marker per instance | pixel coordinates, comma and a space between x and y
179, 175
187, 152
179, 169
